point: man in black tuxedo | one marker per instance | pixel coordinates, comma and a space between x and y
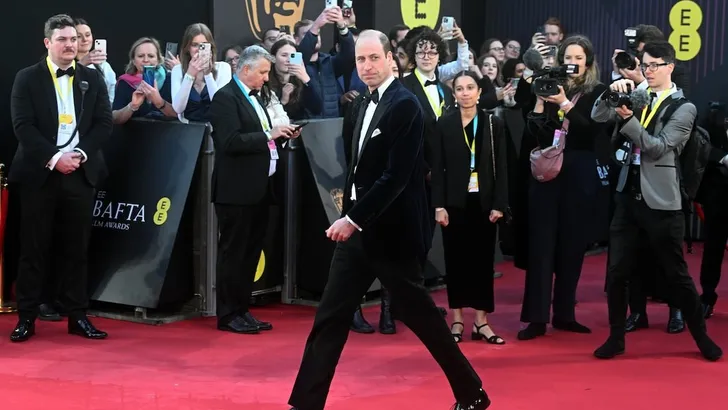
246, 158
383, 233
57, 167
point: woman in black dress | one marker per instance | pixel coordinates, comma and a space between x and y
470, 193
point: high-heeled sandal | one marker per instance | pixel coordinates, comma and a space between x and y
457, 336
494, 340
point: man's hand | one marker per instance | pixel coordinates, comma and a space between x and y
622, 85
69, 162
340, 231
285, 131
624, 112
634, 75
348, 97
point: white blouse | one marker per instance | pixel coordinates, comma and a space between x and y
182, 85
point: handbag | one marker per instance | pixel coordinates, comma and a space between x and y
546, 162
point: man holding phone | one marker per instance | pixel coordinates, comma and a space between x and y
246, 149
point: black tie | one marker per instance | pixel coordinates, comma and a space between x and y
253, 93
70, 71
430, 82
374, 97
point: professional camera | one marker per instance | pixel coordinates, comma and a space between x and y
548, 80
625, 59
616, 99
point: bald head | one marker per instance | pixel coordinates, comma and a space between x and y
373, 58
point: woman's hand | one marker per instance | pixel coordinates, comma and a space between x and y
197, 65
151, 94
495, 216
558, 98
93, 57
300, 72
442, 217
170, 61
137, 99
286, 93
506, 92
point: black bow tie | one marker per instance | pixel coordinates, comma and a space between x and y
374, 97
430, 82
253, 93
70, 71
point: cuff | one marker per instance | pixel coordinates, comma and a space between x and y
616, 76
353, 223
643, 85
85, 157
54, 160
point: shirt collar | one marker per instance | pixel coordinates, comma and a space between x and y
383, 87
422, 77
669, 91
55, 67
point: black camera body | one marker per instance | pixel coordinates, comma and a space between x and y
625, 59
548, 80
616, 99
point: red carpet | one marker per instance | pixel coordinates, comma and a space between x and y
191, 366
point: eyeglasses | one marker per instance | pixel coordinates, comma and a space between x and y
429, 54
232, 60
499, 49
514, 48
652, 66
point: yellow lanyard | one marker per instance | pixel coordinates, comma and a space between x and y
55, 82
645, 122
472, 146
435, 106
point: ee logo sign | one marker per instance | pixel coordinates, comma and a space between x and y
686, 17
417, 13
163, 205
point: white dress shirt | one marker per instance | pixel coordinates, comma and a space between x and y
366, 123
433, 93
66, 105
264, 123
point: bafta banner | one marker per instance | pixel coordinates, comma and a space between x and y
141, 241
244, 22
414, 13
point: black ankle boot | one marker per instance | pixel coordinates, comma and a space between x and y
386, 324
359, 324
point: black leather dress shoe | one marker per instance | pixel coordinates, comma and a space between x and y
359, 324
48, 313
613, 347
386, 323
676, 323
239, 324
481, 403
636, 321
261, 325
23, 330
84, 327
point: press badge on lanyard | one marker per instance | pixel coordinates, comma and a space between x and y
473, 183
273, 149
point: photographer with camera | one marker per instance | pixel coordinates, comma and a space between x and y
648, 197
713, 196
561, 205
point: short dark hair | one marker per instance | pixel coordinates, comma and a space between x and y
80, 21
396, 29
302, 23
58, 22
648, 34
661, 49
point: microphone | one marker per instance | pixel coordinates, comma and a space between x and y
639, 99
83, 85
533, 60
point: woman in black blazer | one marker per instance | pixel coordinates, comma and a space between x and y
470, 193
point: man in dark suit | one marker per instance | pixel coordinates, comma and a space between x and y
246, 158
649, 201
57, 166
383, 233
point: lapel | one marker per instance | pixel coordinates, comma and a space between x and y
357, 130
46, 84
77, 78
383, 106
244, 101
419, 92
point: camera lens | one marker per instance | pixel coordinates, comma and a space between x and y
624, 60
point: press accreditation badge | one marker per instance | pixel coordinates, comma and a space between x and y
473, 184
636, 160
65, 127
273, 150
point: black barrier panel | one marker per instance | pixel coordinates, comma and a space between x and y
141, 241
322, 178
269, 273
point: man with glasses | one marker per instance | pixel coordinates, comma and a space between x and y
649, 199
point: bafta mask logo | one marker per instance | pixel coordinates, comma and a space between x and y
337, 195
265, 14
417, 13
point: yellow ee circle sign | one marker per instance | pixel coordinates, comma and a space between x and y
163, 205
420, 12
261, 267
686, 17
